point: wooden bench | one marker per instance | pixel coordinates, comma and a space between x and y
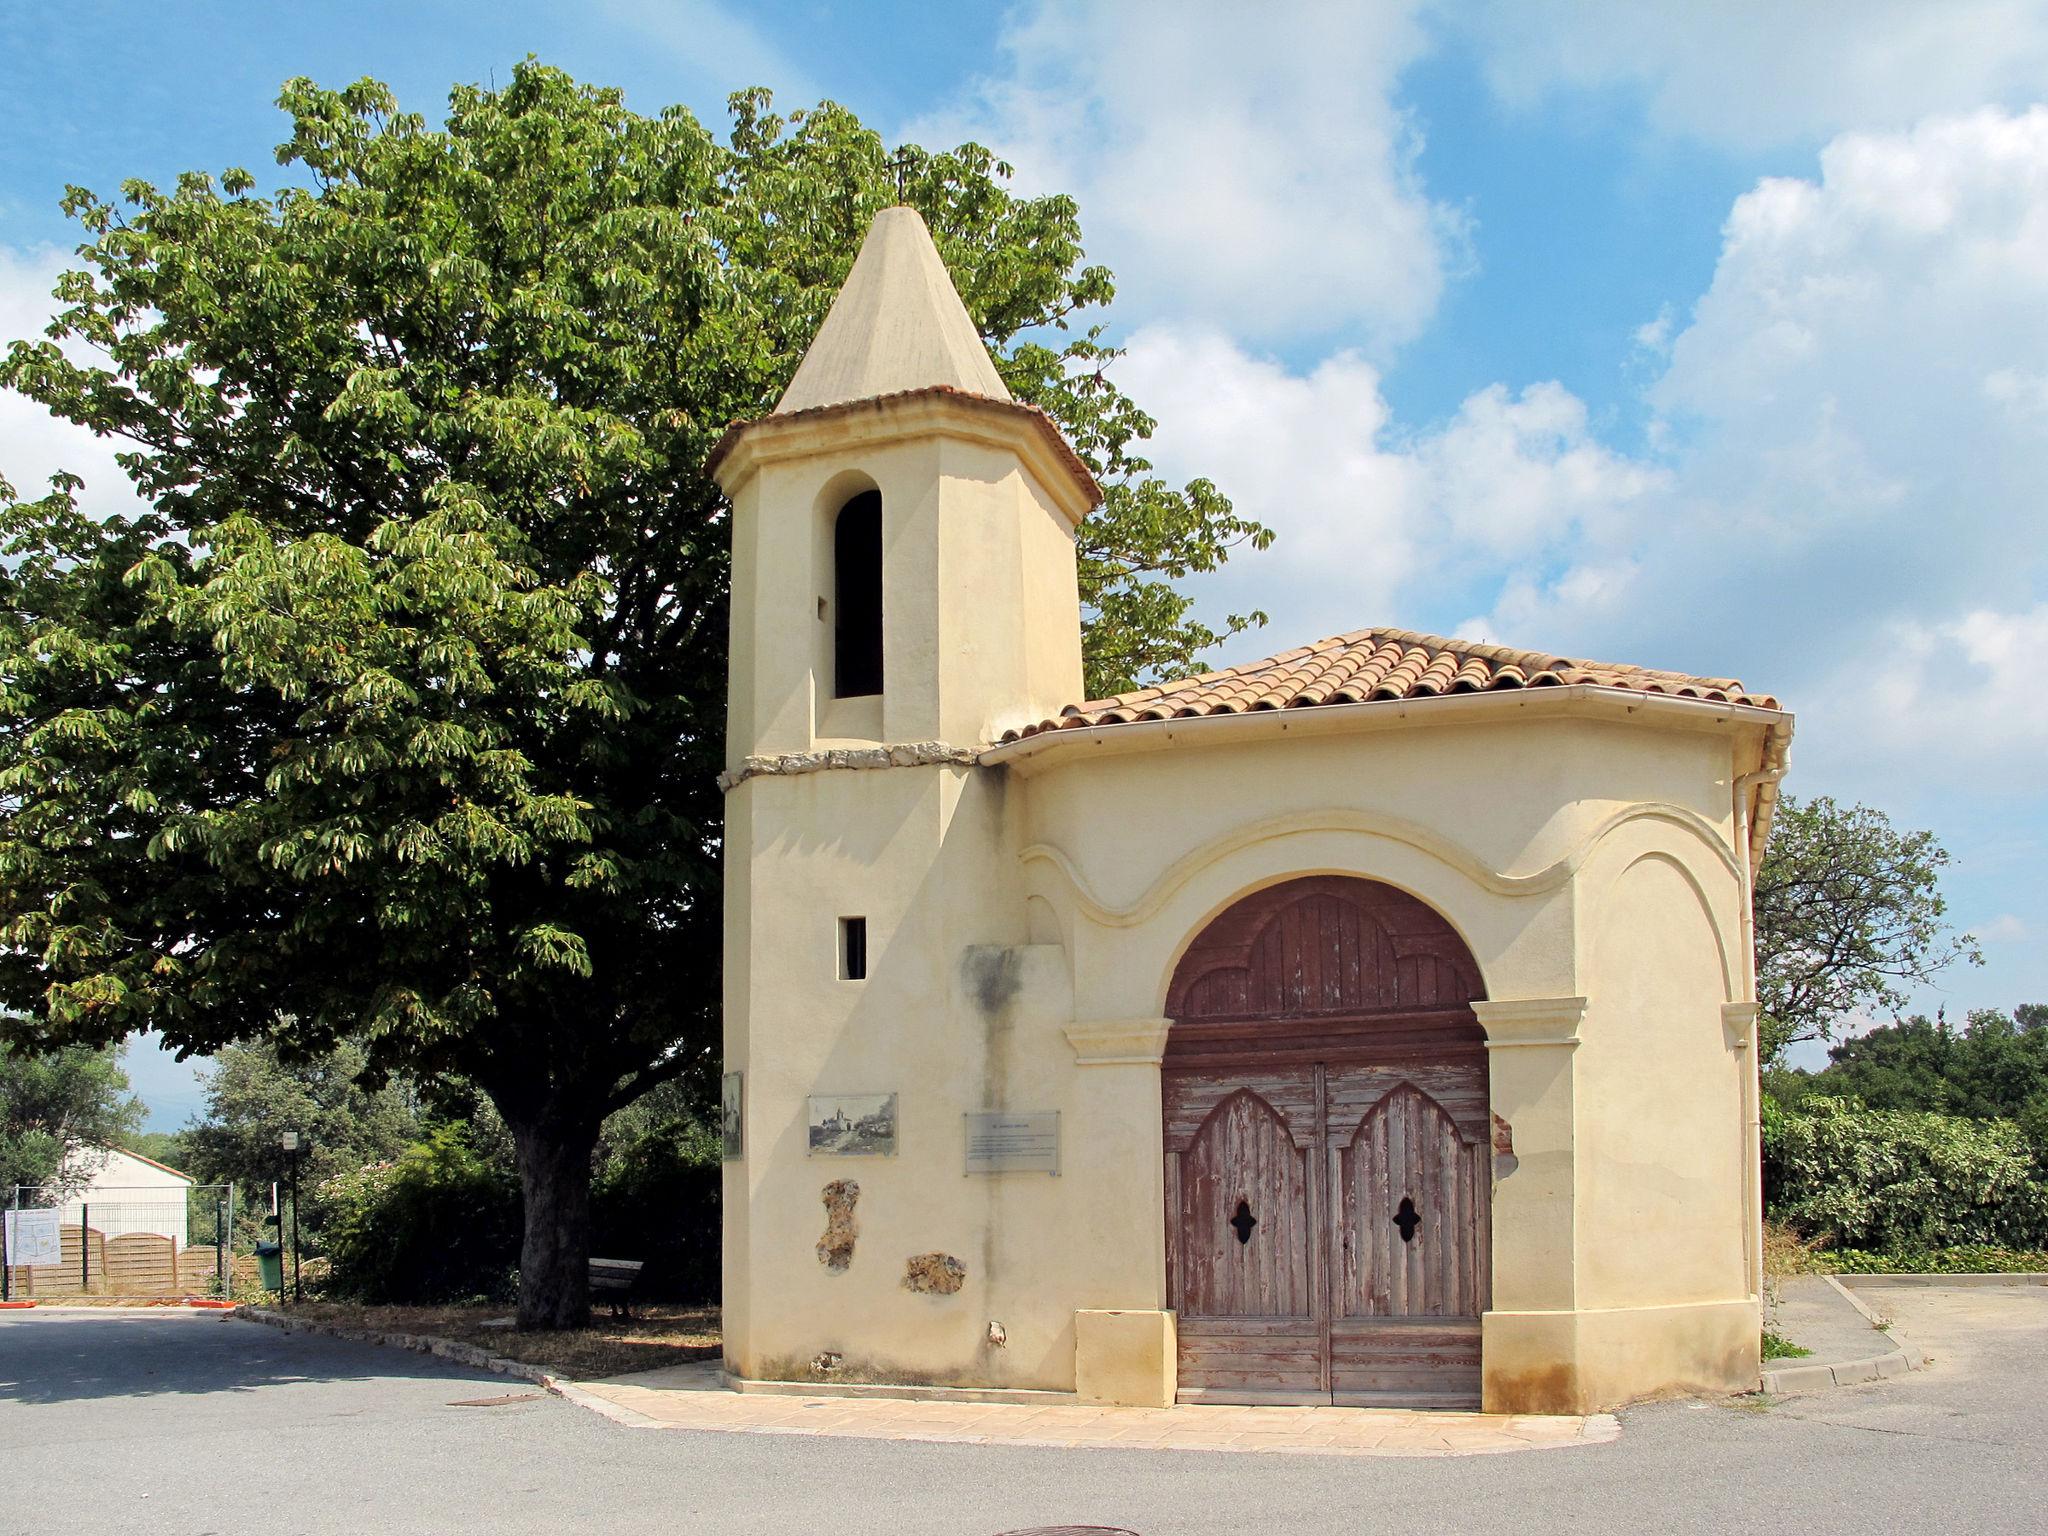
614, 1279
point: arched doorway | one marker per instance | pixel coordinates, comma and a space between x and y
1328, 1175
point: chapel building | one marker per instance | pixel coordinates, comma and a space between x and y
1374, 1023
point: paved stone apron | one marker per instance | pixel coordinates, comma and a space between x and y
683, 1398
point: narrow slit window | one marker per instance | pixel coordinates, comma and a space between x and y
853, 948
857, 597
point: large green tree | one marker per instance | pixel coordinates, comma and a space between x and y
53, 1101
1849, 915
398, 714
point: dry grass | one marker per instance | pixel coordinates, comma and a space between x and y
1787, 1253
656, 1334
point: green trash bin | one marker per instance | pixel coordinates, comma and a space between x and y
270, 1265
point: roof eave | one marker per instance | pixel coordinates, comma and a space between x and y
1584, 700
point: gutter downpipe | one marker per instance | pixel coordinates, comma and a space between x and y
1764, 780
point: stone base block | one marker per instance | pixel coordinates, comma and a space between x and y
1125, 1358
1590, 1361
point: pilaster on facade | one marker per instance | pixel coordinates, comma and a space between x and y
1739, 1019
1532, 1021
1119, 1042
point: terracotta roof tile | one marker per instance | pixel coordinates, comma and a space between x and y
1372, 665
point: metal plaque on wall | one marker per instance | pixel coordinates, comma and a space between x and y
1003, 1143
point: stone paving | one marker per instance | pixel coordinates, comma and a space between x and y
680, 1398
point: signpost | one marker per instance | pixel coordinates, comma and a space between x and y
29, 1238
289, 1142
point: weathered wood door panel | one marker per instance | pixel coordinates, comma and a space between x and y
1245, 1237
1328, 1176
1411, 1244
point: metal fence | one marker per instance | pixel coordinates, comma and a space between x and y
127, 1242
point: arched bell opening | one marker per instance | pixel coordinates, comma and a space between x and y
1328, 1172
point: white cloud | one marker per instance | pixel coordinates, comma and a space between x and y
1855, 459
715, 43
34, 444
2006, 928
1958, 700
1844, 506
1753, 73
1369, 519
1244, 163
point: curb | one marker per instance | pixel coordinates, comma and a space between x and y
461, 1354
418, 1343
1896, 1361
1875, 1282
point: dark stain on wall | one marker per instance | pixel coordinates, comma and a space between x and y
994, 975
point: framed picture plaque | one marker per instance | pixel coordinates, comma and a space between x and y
731, 1117
852, 1125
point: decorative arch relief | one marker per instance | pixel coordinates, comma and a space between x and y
1424, 840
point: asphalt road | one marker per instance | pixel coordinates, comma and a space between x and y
177, 1424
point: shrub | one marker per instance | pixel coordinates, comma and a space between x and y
1977, 1259
438, 1224
1901, 1181
656, 1198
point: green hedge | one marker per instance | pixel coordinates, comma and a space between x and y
1900, 1182
1976, 1259
442, 1223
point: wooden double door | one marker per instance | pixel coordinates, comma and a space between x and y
1328, 1168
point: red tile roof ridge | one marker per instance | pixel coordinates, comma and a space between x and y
1374, 665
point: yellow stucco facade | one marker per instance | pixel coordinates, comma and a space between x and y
1026, 902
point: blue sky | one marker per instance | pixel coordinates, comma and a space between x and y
1705, 337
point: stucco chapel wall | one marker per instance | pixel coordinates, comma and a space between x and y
1485, 821
1588, 863
958, 1013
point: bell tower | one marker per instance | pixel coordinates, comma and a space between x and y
903, 592
903, 563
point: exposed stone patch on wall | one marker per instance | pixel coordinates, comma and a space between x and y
835, 1248
907, 754
1504, 1160
934, 1274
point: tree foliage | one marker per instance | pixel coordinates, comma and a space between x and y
254, 1094
397, 716
1995, 1067
52, 1101
1849, 914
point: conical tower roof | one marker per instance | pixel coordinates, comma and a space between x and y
897, 325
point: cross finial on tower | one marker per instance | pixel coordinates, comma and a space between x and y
901, 164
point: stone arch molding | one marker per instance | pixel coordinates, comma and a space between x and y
1729, 983
1455, 856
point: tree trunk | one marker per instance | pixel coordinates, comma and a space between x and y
554, 1178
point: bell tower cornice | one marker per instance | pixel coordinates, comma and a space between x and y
936, 410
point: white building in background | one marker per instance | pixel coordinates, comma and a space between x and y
127, 1192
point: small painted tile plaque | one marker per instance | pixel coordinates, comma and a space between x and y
1012, 1143
731, 1120
852, 1125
